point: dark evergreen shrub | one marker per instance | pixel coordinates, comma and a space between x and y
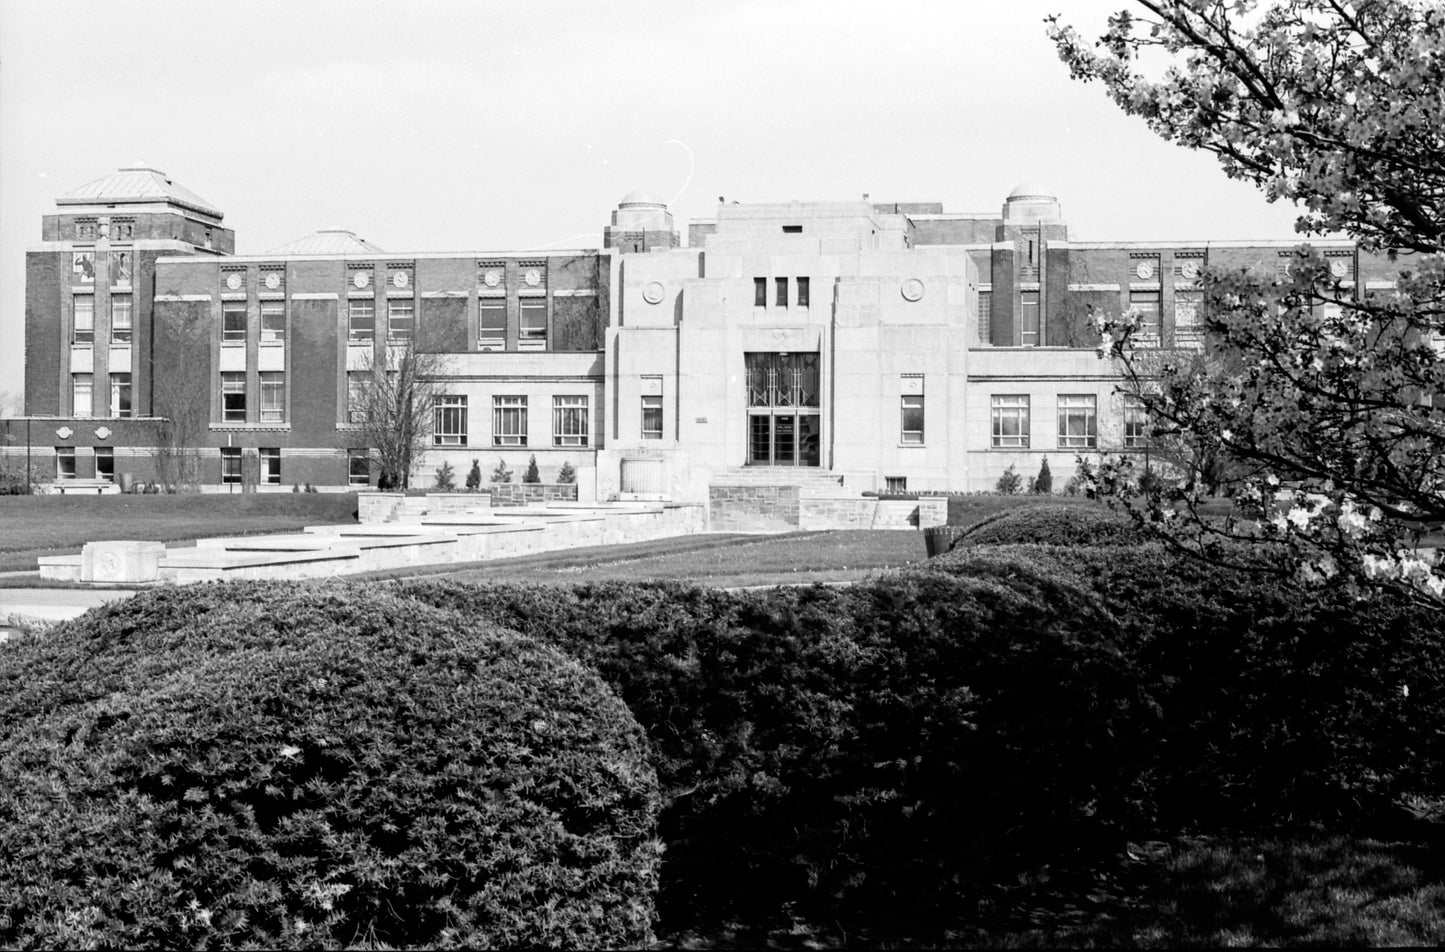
532, 475
474, 476
1280, 703
870, 754
303, 766
965, 509
1055, 524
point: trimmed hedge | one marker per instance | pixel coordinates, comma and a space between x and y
965, 509
1055, 524
868, 755
1280, 704
296, 766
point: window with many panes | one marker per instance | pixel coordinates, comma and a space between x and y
400, 319
233, 396
84, 324
1078, 421
781, 297
362, 319
569, 421
509, 421
985, 317
82, 394
532, 331
65, 462
230, 464
1136, 423
1029, 335
233, 322
1010, 413
358, 466
273, 396
273, 322
1146, 304
120, 319
356, 396
449, 420
120, 395
1187, 319
895, 484
493, 323
271, 465
911, 430
804, 292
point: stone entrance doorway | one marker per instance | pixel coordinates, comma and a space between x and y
784, 416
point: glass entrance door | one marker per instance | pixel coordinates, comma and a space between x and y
783, 411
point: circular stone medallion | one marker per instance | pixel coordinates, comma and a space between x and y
400, 279
652, 292
912, 289
233, 282
1339, 269
1189, 271
1144, 270
361, 279
492, 278
273, 281
533, 277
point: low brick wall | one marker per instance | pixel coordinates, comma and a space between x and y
372, 508
530, 494
456, 502
753, 508
832, 512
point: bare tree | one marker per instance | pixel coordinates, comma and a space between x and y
392, 401
180, 385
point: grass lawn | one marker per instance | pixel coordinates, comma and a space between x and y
725, 560
32, 526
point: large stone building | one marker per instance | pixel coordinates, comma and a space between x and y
883, 346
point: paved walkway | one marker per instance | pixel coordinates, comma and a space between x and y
54, 604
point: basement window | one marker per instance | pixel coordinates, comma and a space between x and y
792, 229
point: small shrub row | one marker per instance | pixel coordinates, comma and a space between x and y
275, 765
964, 509
1055, 524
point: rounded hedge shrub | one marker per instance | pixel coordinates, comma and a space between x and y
310, 766
1055, 524
870, 755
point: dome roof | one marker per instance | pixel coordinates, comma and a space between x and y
1031, 191
639, 196
134, 184
328, 241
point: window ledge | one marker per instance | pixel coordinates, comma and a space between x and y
250, 427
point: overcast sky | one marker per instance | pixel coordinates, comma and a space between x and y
467, 125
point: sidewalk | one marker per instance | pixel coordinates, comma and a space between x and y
53, 604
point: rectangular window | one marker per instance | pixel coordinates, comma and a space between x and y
760, 292
356, 396
493, 314
1187, 305
449, 422
358, 466
1010, 420
362, 315
532, 334
569, 421
912, 428
509, 421
1136, 423
65, 462
82, 398
233, 322
233, 397
120, 395
273, 397
985, 317
652, 417
1146, 303
84, 319
895, 484
273, 322
271, 465
1078, 421
803, 292
400, 319
781, 297
792, 229
105, 463
230, 464
1029, 319
120, 318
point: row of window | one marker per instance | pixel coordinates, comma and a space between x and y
1187, 305
1078, 422
235, 326
510, 424
121, 322
233, 397
82, 395
800, 297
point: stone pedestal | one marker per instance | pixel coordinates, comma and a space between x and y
121, 561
